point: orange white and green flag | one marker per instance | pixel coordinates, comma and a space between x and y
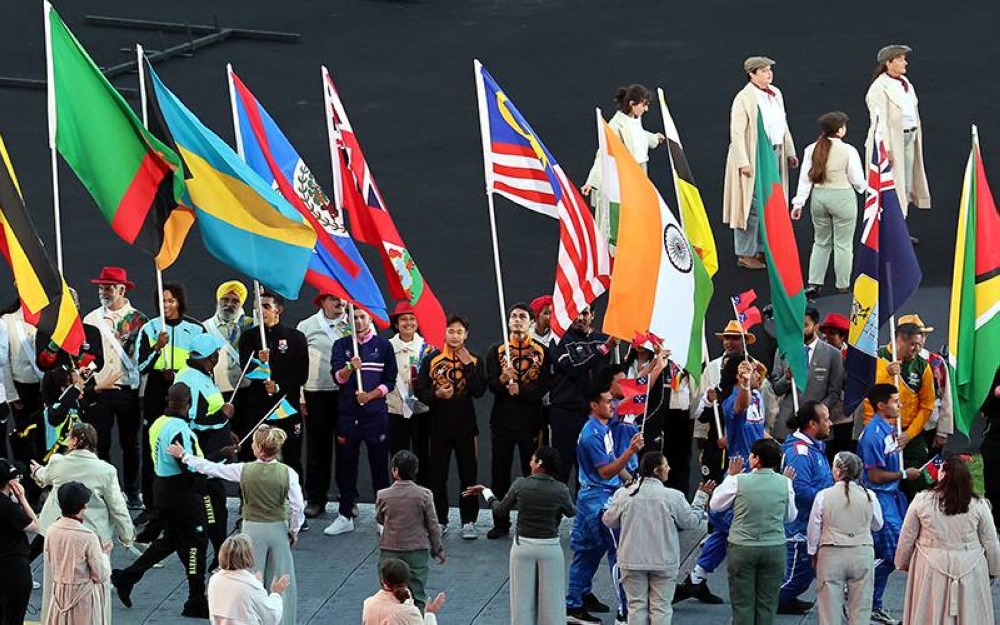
659, 284
974, 329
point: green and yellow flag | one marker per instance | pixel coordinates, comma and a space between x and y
974, 329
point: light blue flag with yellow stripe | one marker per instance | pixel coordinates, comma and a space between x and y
283, 410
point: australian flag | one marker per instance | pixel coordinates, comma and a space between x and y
887, 274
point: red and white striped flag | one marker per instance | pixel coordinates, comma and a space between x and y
522, 170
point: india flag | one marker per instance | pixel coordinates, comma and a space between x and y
659, 284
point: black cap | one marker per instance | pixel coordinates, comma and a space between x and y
9, 471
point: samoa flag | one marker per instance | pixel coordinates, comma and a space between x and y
336, 266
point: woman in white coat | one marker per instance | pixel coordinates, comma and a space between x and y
106, 513
236, 594
892, 100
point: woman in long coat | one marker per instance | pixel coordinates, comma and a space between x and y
79, 564
949, 548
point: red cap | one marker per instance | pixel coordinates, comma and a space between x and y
541, 302
836, 322
402, 308
114, 275
322, 295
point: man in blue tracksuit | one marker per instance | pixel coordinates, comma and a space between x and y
805, 452
599, 475
364, 415
743, 409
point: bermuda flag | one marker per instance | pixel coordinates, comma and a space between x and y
636, 393
974, 329
784, 270
336, 266
520, 168
887, 274
355, 189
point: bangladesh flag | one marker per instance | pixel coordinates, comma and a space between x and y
784, 271
974, 329
136, 180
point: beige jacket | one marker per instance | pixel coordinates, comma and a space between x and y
106, 513
81, 575
738, 189
883, 102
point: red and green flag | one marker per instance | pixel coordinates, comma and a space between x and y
136, 180
788, 299
974, 329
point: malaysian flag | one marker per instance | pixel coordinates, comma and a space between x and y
521, 169
355, 189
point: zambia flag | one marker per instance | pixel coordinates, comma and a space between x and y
134, 178
974, 330
45, 297
784, 271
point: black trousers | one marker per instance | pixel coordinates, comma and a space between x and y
291, 451
15, 589
840, 440
504, 444
566, 427
154, 402
465, 457
216, 517
321, 431
991, 474
27, 438
183, 516
122, 405
412, 434
676, 438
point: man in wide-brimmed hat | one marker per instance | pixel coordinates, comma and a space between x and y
120, 325
321, 395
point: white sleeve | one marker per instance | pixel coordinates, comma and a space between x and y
815, 527
269, 606
791, 512
296, 504
230, 472
724, 494
855, 171
877, 520
805, 184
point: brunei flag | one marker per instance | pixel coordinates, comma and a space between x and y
45, 297
694, 220
659, 284
788, 299
243, 221
974, 329
135, 179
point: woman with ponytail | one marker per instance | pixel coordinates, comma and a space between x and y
393, 605
272, 506
649, 515
830, 169
840, 542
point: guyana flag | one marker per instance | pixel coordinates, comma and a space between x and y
974, 329
784, 271
45, 297
135, 179
694, 219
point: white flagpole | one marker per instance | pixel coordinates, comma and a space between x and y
260, 315
243, 373
354, 339
53, 124
704, 360
266, 415
140, 63
488, 175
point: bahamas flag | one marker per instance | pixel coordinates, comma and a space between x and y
887, 274
283, 410
974, 329
260, 371
336, 266
243, 221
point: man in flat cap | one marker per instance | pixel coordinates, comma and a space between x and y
759, 97
892, 99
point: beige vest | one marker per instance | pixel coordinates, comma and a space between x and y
836, 167
847, 523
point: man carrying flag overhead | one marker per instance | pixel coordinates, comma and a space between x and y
336, 266
243, 221
887, 274
660, 284
136, 179
974, 331
355, 190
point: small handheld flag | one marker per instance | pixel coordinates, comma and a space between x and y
636, 393
932, 469
260, 370
743, 301
282, 405
283, 410
750, 317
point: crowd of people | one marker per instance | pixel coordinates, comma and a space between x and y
794, 489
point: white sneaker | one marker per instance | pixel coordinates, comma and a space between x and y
444, 528
340, 525
381, 528
469, 532
35, 585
